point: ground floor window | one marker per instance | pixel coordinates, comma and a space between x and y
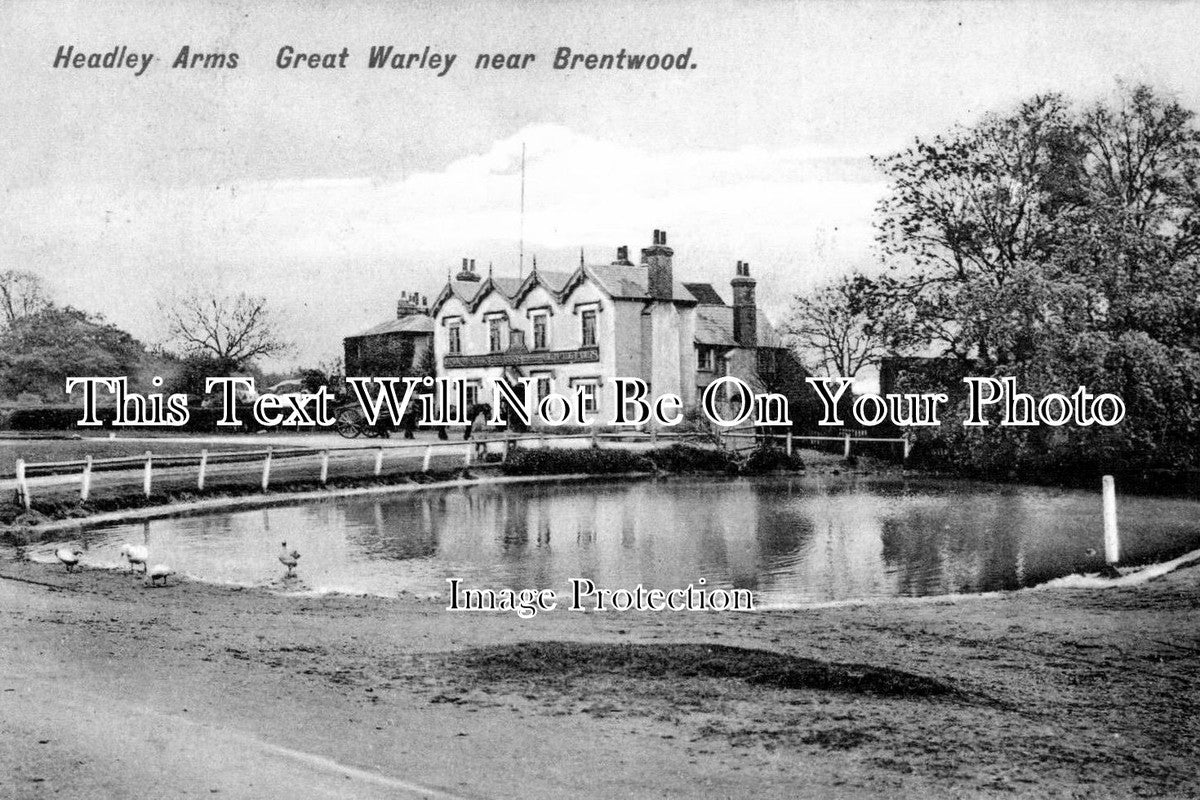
541, 387
587, 387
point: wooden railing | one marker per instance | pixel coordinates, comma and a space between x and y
30, 476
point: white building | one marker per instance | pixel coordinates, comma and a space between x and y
578, 331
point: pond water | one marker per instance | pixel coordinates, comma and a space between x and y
793, 540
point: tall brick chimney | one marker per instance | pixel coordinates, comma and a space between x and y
468, 271
745, 307
657, 260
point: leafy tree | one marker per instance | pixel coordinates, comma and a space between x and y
40, 350
1061, 247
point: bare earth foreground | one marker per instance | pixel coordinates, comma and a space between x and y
111, 689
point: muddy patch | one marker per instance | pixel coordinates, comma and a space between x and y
559, 664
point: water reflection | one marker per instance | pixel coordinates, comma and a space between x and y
791, 540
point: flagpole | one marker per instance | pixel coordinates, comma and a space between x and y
521, 261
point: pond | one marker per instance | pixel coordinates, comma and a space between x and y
792, 540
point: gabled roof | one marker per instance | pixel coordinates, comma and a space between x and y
619, 282
714, 326
632, 283
413, 323
705, 294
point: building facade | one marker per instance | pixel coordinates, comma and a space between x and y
575, 332
397, 347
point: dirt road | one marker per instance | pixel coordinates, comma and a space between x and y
111, 689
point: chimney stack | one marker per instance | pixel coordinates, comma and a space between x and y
622, 257
745, 307
657, 260
468, 271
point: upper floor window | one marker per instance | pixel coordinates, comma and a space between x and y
539, 332
454, 332
589, 327
495, 335
704, 359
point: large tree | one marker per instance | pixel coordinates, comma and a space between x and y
1061, 247
231, 330
22, 294
832, 328
39, 351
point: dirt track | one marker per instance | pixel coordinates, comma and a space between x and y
110, 689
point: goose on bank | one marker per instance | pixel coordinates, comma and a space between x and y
136, 554
69, 556
289, 558
159, 572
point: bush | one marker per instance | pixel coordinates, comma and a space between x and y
769, 459
589, 461
688, 458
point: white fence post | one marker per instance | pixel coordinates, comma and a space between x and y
203, 469
324, 467
789, 443
22, 483
1112, 541
907, 446
266, 476
467, 456
85, 482
846, 448
379, 460
428, 457
147, 473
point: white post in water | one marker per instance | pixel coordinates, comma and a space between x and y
1112, 542
22, 483
266, 478
147, 473
428, 457
203, 469
85, 482
379, 460
324, 467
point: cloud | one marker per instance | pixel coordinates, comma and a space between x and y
334, 252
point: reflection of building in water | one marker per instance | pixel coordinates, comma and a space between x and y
395, 529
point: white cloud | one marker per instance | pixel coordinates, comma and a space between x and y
335, 252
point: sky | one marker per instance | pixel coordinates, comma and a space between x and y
329, 192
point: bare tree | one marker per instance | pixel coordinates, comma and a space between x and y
233, 330
831, 327
22, 294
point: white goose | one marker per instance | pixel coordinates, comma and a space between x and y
289, 558
159, 572
136, 554
69, 556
